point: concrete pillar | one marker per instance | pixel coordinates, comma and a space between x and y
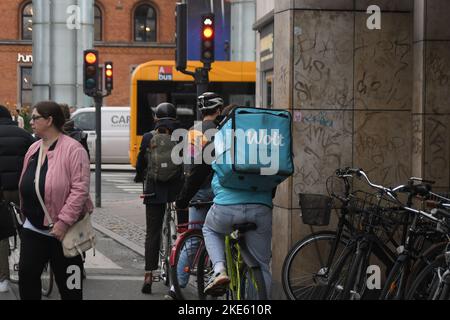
431, 99
242, 36
350, 92
58, 44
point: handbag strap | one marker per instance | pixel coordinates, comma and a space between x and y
36, 187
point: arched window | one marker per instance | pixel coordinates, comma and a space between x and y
98, 24
145, 24
27, 21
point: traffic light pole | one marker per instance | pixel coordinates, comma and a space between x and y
98, 150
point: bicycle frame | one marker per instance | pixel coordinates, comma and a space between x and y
237, 256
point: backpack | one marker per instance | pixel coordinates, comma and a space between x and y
160, 166
254, 149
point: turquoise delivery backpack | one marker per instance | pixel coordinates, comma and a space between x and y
253, 149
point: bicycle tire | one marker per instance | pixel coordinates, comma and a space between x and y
253, 286
422, 286
47, 280
391, 287
164, 250
14, 257
185, 246
294, 261
334, 288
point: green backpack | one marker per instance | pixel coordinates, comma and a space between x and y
160, 166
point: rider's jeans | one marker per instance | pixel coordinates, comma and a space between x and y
219, 222
189, 250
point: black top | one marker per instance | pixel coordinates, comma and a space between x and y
14, 143
31, 206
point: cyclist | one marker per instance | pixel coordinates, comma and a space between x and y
157, 193
198, 174
234, 206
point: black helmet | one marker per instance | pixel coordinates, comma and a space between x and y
165, 110
209, 101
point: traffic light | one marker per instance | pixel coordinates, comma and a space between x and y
207, 36
90, 73
109, 76
181, 36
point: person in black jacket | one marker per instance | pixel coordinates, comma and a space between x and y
163, 193
14, 144
72, 131
198, 175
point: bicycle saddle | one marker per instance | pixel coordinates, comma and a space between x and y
244, 227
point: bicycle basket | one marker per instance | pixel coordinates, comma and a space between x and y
316, 209
372, 210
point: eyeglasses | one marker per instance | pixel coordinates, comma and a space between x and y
34, 118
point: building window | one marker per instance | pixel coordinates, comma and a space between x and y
27, 21
98, 24
26, 86
145, 24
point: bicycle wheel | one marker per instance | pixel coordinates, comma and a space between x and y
14, 258
304, 272
426, 285
252, 284
183, 271
47, 280
164, 250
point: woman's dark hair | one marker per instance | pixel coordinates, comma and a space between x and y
52, 109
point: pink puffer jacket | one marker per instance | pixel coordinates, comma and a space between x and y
67, 181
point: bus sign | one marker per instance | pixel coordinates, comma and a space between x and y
165, 73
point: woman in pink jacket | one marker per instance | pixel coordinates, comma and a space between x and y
64, 187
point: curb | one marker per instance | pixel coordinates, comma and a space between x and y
127, 243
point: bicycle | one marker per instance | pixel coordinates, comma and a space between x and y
47, 277
168, 237
246, 277
433, 282
188, 248
310, 262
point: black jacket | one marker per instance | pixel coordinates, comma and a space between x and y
165, 192
14, 144
197, 184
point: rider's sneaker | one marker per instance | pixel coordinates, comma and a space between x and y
217, 284
171, 295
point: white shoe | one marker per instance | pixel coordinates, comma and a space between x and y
4, 286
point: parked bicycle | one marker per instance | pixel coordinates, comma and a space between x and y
373, 229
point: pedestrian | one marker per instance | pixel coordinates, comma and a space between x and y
197, 185
14, 143
16, 117
72, 131
158, 191
63, 186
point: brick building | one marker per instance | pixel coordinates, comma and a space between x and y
127, 32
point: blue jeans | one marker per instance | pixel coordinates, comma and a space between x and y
219, 222
189, 250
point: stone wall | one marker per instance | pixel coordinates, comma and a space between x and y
350, 90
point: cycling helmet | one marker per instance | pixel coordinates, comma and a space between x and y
209, 101
165, 110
